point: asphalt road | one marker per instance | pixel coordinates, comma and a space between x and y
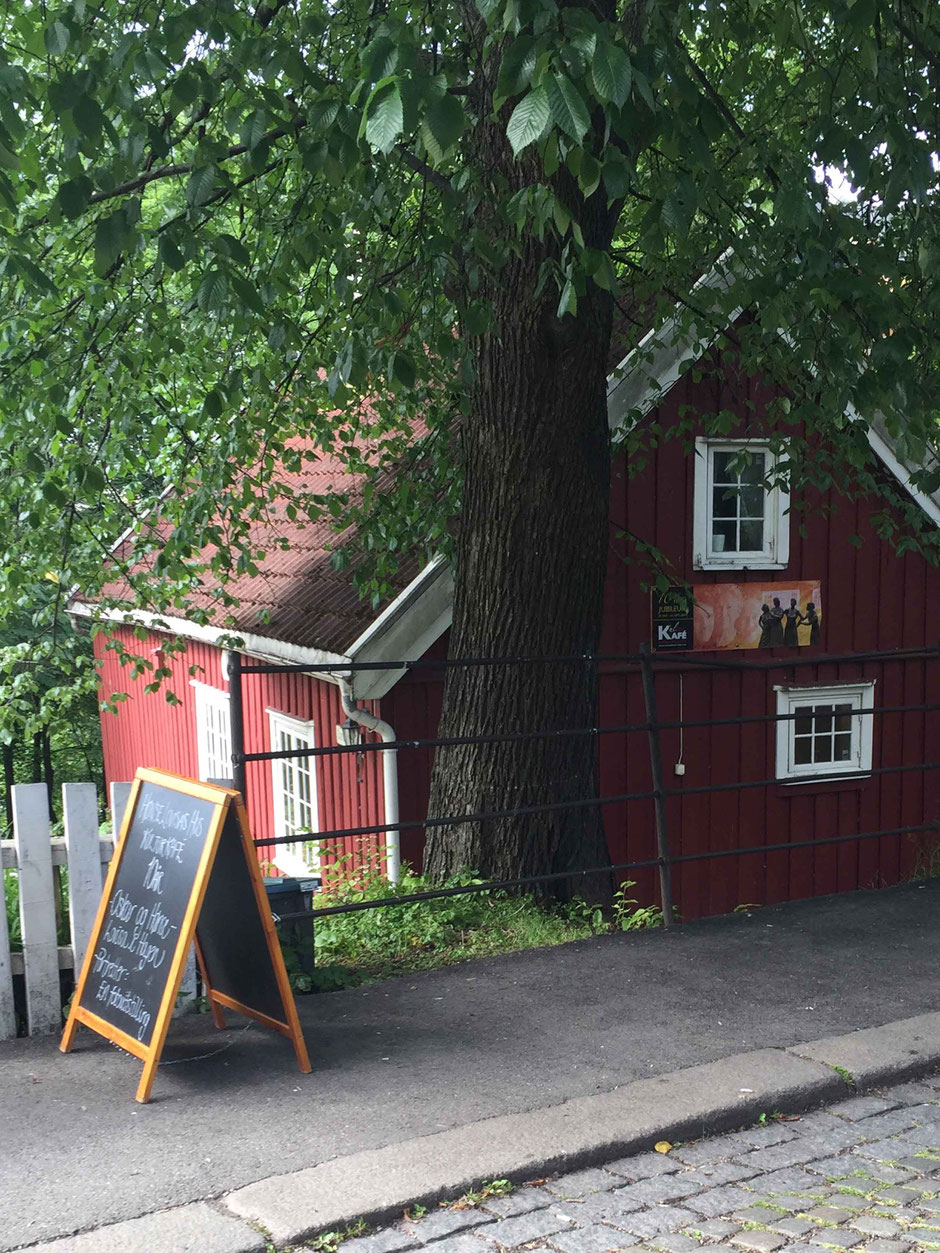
413, 1056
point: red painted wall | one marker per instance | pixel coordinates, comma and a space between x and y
872, 600
148, 731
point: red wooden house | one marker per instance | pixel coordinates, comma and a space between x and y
829, 767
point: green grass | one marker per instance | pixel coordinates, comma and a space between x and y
369, 945
11, 895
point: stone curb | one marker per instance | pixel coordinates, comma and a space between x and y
195, 1228
880, 1055
376, 1185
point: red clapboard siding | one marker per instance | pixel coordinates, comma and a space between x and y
873, 600
149, 731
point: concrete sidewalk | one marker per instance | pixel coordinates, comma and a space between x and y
508, 1067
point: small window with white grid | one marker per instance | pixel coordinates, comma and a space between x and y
823, 732
295, 788
740, 519
213, 732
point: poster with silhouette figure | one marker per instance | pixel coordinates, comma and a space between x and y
757, 615
709, 617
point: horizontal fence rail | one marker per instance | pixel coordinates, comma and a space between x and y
515, 737
497, 885
646, 665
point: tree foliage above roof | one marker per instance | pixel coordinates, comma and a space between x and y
226, 223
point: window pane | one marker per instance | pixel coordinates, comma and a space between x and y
823, 720
752, 537
755, 471
752, 502
822, 748
724, 537
801, 751
843, 718
721, 467
724, 502
843, 747
803, 723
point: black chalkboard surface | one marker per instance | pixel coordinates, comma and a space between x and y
161, 849
184, 869
232, 945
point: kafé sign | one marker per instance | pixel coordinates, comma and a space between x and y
673, 626
184, 850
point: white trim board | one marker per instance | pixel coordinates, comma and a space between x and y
261, 646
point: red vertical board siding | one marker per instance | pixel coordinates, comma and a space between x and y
149, 731
872, 600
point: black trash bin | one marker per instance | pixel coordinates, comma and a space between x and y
291, 896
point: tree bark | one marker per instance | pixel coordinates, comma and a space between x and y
531, 558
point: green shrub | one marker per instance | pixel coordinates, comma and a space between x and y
376, 943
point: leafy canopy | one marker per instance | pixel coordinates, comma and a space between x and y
233, 234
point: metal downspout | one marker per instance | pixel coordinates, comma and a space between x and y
389, 776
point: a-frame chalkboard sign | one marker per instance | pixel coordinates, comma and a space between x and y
184, 869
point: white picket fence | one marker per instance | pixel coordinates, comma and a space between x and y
35, 855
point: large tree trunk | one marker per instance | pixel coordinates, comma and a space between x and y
531, 557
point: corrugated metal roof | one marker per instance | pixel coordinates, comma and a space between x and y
295, 596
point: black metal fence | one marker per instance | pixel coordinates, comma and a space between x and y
646, 665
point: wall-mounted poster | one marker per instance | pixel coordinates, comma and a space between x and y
711, 616
757, 615
672, 620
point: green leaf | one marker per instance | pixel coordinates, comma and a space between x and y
569, 111
9, 160
402, 368
379, 59
322, 113
386, 118
110, 233
88, 117
211, 293
516, 68
568, 302
529, 118
57, 38
253, 129
200, 184
617, 177
170, 255
73, 197
247, 293
611, 74
445, 120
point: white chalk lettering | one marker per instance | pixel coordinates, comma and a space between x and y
153, 879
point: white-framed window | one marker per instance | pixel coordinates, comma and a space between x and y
213, 732
738, 522
295, 788
824, 733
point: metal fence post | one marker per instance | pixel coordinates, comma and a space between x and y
237, 717
659, 790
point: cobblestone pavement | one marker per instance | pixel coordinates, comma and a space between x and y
863, 1174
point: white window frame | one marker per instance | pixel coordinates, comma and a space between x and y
861, 695
775, 553
213, 720
281, 771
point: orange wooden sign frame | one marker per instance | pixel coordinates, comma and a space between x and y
224, 800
